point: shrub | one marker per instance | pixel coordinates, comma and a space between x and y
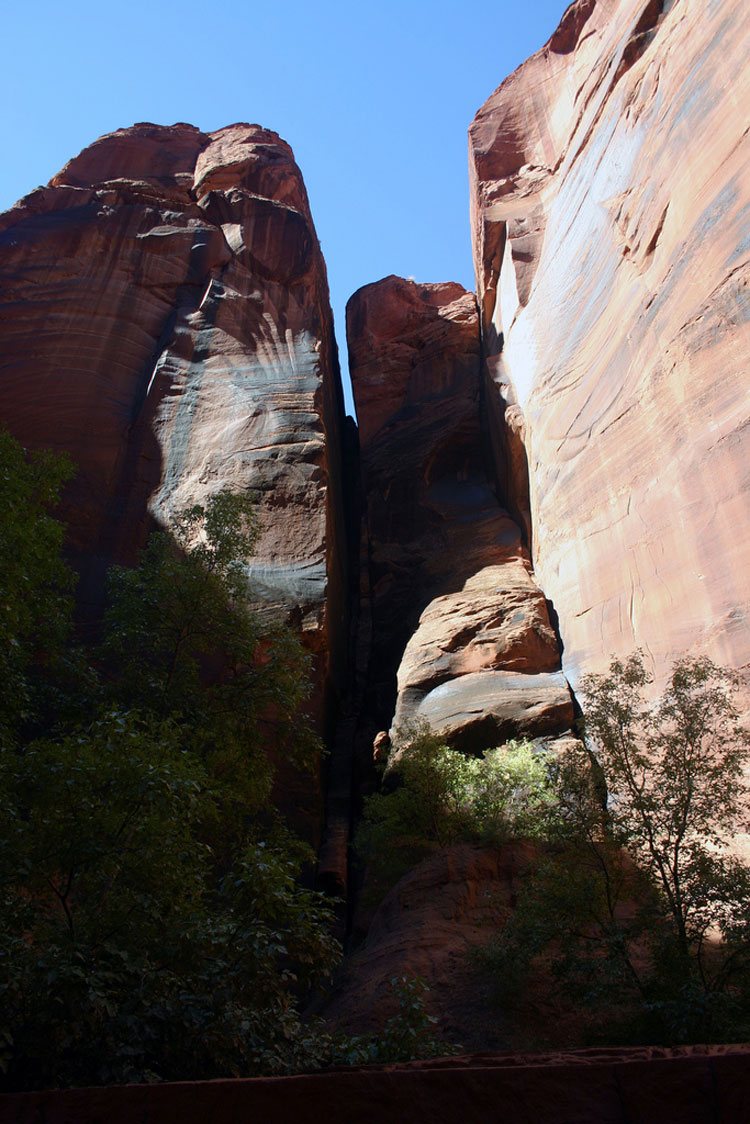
407, 1036
444, 797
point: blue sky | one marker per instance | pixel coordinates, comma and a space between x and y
375, 100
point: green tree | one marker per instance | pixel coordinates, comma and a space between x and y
637, 896
152, 922
443, 797
122, 955
181, 641
674, 772
35, 584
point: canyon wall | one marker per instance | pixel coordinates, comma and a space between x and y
164, 318
610, 204
460, 632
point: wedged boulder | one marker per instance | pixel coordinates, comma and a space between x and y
486, 708
499, 619
609, 202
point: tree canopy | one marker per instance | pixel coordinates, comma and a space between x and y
152, 921
638, 901
35, 584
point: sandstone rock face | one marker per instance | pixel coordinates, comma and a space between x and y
164, 317
448, 904
610, 197
453, 605
488, 708
475, 666
497, 620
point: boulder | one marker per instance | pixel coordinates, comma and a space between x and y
498, 619
426, 927
486, 708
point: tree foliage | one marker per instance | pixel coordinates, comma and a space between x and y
443, 797
675, 776
152, 920
35, 583
638, 898
123, 955
408, 1035
181, 641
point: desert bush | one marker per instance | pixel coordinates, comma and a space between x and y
408, 1035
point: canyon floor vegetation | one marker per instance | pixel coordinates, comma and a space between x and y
637, 911
153, 921
153, 924
436, 796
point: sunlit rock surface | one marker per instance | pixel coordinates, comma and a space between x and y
475, 666
610, 216
164, 318
453, 605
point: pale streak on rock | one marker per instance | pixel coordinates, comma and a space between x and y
165, 319
621, 150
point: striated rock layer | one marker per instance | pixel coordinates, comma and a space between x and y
164, 318
457, 619
610, 222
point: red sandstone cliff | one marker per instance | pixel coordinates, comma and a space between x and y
164, 318
457, 618
610, 199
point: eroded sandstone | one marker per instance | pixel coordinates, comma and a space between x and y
165, 319
448, 904
454, 606
610, 197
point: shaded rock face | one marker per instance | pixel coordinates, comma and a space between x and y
453, 605
487, 708
448, 904
629, 1085
610, 202
430, 926
164, 318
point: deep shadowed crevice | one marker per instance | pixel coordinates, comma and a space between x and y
566, 37
641, 36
